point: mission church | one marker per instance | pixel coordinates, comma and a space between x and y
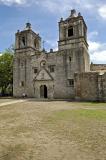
62, 74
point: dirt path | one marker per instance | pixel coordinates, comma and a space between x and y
9, 102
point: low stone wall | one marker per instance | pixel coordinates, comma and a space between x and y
90, 86
98, 67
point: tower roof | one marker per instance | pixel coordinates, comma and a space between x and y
73, 14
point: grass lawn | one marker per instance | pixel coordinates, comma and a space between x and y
53, 131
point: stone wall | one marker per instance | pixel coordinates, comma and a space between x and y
90, 86
63, 70
98, 67
22, 73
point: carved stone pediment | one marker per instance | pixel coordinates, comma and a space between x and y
43, 75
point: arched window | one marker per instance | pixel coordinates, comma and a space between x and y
43, 63
23, 41
70, 31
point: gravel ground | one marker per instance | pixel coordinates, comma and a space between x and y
57, 130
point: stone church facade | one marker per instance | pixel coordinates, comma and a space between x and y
62, 74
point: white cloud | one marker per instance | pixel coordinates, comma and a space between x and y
88, 6
66, 5
52, 44
97, 52
99, 57
92, 35
54, 5
102, 11
63, 6
11, 2
94, 46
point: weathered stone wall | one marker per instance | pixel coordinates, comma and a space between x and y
62, 74
98, 67
104, 86
90, 86
22, 73
63, 70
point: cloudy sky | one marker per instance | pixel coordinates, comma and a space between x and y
44, 16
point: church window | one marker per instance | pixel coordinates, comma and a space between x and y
22, 83
35, 70
71, 82
52, 68
43, 63
35, 43
70, 32
70, 59
23, 42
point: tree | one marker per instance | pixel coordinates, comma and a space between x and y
6, 70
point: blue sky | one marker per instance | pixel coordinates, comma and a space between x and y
44, 16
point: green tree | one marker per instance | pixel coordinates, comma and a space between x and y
6, 71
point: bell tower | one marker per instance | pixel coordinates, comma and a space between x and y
27, 39
27, 44
73, 37
72, 30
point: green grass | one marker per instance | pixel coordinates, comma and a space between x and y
90, 104
79, 113
85, 127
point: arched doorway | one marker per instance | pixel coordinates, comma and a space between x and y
43, 91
